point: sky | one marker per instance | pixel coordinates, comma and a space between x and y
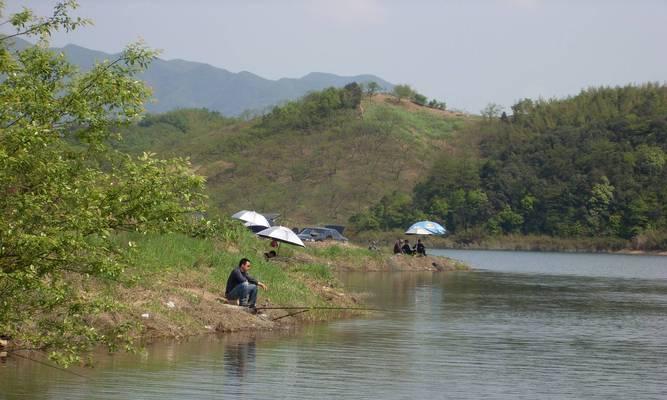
468, 53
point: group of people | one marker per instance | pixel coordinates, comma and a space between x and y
243, 287
418, 249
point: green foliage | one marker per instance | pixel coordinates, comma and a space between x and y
311, 169
371, 88
314, 110
594, 164
491, 111
65, 191
419, 99
351, 95
392, 211
425, 124
403, 92
440, 105
157, 253
506, 221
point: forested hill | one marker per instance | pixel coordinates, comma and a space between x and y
317, 160
589, 165
185, 84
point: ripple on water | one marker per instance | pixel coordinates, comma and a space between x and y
519, 331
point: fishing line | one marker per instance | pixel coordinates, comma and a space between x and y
48, 365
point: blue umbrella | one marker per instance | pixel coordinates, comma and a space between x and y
426, 228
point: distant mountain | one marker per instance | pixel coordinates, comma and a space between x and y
186, 84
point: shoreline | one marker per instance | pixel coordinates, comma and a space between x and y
177, 304
557, 250
385, 239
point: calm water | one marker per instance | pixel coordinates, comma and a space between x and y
523, 326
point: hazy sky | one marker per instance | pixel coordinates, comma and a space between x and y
467, 53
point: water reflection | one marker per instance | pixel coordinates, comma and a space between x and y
504, 334
239, 358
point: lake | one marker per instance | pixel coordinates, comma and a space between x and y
521, 326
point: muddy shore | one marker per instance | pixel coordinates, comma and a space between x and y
209, 312
182, 303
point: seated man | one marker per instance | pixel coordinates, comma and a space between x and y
270, 254
397, 246
420, 248
406, 249
242, 286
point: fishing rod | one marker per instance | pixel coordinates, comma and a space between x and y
320, 308
14, 352
290, 315
309, 308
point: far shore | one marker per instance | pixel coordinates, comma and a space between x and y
559, 250
543, 243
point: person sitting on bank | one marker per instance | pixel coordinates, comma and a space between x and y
243, 287
420, 248
397, 246
270, 254
406, 249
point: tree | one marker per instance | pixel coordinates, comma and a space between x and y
506, 221
372, 88
403, 92
491, 111
601, 197
351, 95
66, 192
440, 105
419, 99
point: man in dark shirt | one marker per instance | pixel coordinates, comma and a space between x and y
406, 249
242, 286
420, 248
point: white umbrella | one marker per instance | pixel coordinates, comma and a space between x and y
281, 234
418, 231
252, 218
426, 228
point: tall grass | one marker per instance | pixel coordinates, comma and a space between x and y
178, 259
350, 254
423, 122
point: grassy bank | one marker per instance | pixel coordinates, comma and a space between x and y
174, 287
191, 274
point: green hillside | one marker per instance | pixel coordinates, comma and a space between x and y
593, 165
317, 160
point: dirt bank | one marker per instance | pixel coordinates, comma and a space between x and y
399, 262
186, 302
179, 306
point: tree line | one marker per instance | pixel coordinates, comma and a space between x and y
588, 165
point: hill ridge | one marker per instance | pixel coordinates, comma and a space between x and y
179, 83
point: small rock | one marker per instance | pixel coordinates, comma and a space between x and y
209, 327
170, 304
145, 315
